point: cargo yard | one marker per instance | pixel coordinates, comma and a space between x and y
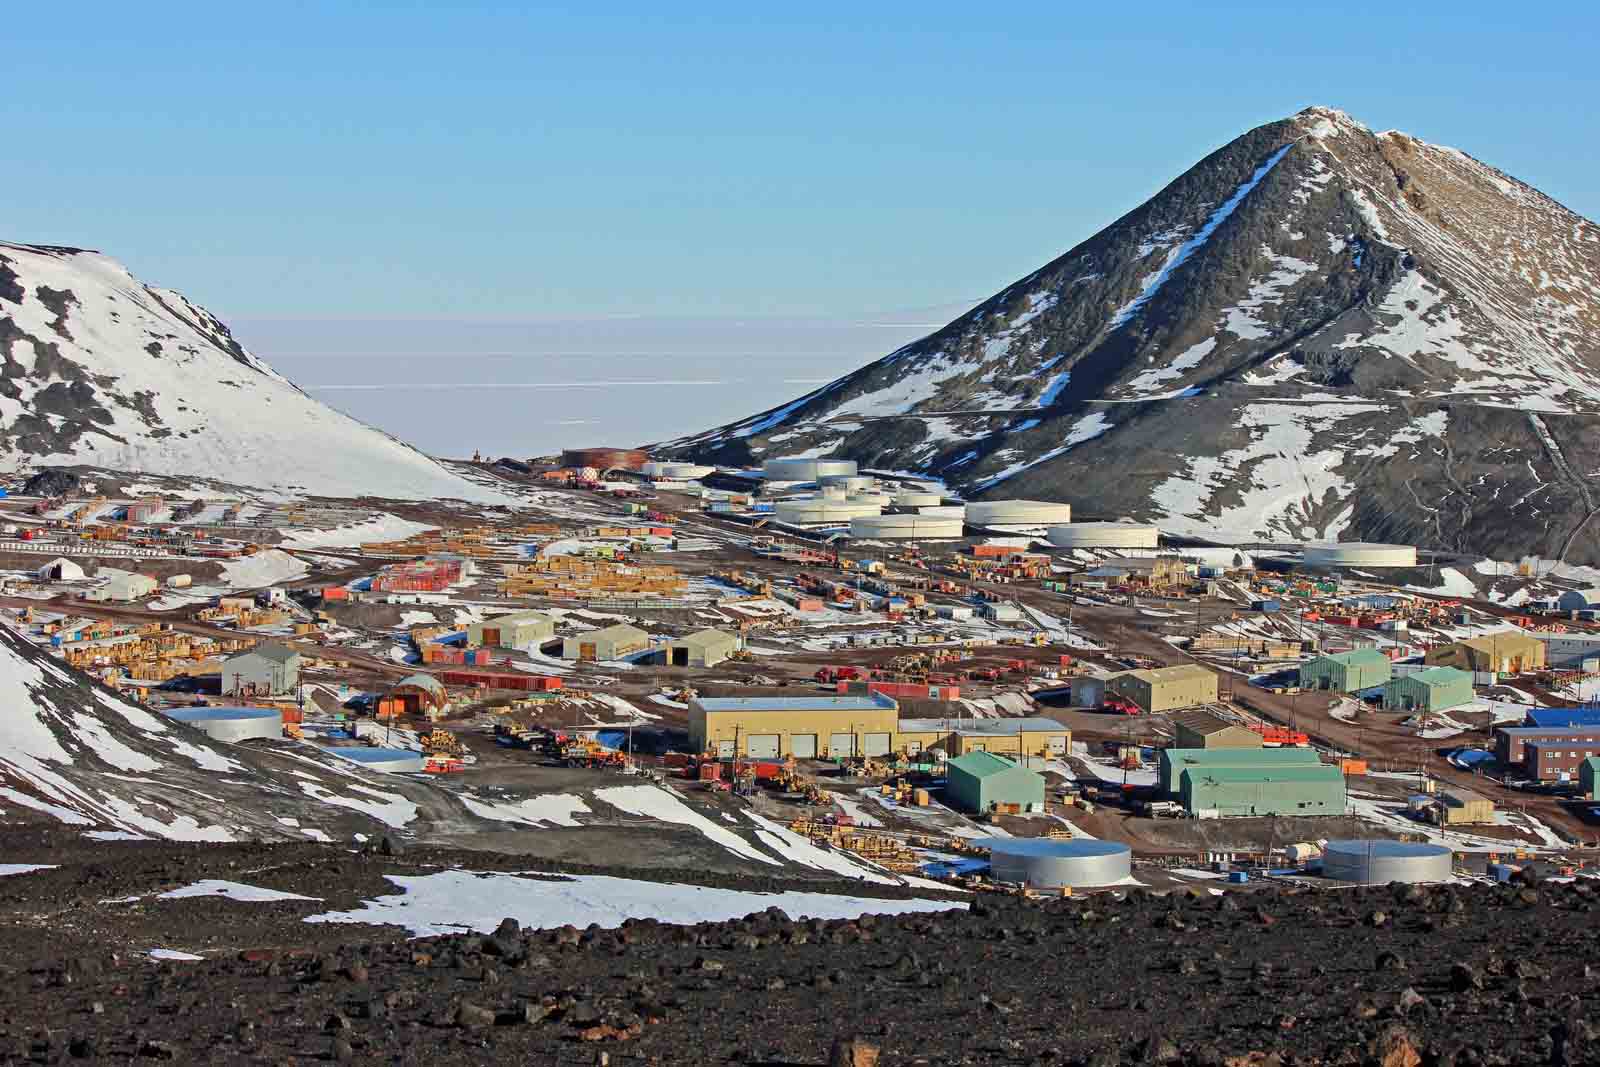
889, 674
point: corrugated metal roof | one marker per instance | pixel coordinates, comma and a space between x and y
993, 727
982, 764
1563, 717
1233, 774
1204, 723
1212, 757
1356, 657
1434, 677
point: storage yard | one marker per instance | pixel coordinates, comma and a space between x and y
901, 676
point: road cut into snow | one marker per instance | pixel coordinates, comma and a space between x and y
245, 894
454, 901
653, 802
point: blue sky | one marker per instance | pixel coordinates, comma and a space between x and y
485, 161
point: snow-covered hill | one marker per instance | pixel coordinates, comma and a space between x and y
1317, 331
100, 369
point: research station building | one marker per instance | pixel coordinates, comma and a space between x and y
1175, 761
611, 643
979, 781
1024, 739
266, 670
1166, 688
1435, 689
520, 629
815, 727
1205, 729
1347, 672
1501, 653
703, 648
1219, 792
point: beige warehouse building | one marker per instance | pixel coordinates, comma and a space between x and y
1166, 688
520, 629
1017, 738
1504, 653
1204, 729
704, 648
614, 642
815, 727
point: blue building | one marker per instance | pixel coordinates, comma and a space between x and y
1562, 718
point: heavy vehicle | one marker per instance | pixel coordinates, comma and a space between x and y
1116, 705
1280, 736
581, 752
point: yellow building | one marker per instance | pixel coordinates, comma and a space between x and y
1511, 652
1204, 729
1166, 688
816, 727
1463, 807
1004, 737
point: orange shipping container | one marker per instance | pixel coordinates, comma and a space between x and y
1353, 766
992, 551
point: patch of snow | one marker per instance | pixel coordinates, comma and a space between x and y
217, 887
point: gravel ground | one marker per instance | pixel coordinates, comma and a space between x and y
1457, 975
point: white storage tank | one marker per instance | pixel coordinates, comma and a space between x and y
911, 525
916, 498
1004, 513
180, 581
1049, 864
852, 483
816, 511
387, 760
805, 470
230, 725
1359, 554
944, 511
1103, 535
1379, 862
674, 471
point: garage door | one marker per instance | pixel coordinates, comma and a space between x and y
875, 744
841, 745
724, 749
763, 746
913, 747
1058, 745
804, 745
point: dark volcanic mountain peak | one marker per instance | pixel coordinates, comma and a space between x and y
1316, 331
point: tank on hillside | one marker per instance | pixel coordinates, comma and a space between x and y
1379, 861
806, 470
1103, 535
1048, 864
1359, 554
1004, 513
231, 725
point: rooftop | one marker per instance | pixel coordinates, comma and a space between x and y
1304, 773
1216, 757
870, 702
983, 764
1044, 846
272, 651
1204, 723
983, 727
220, 714
1356, 656
1563, 717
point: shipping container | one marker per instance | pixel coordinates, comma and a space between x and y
710, 772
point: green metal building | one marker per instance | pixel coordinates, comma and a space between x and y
1223, 792
1434, 689
1174, 761
979, 780
1589, 776
1346, 672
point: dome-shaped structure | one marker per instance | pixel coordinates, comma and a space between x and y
415, 695
1103, 535
1017, 512
805, 470
1359, 554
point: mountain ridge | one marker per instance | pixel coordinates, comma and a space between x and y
100, 369
1315, 331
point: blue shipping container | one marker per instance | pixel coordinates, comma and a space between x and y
1238, 877
1267, 605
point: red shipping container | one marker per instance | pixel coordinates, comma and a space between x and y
660, 531
675, 759
710, 772
336, 592
764, 771
992, 551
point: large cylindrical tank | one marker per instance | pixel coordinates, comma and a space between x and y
1017, 512
815, 511
852, 483
604, 459
906, 526
674, 471
388, 760
1103, 535
1359, 554
916, 498
231, 725
805, 470
1049, 864
1378, 861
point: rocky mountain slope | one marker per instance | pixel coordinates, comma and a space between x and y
100, 369
1318, 331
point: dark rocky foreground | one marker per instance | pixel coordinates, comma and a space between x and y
1398, 976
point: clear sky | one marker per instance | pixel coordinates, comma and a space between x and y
474, 160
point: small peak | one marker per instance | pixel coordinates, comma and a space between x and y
1322, 122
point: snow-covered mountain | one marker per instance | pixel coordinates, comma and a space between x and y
103, 370
1318, 331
